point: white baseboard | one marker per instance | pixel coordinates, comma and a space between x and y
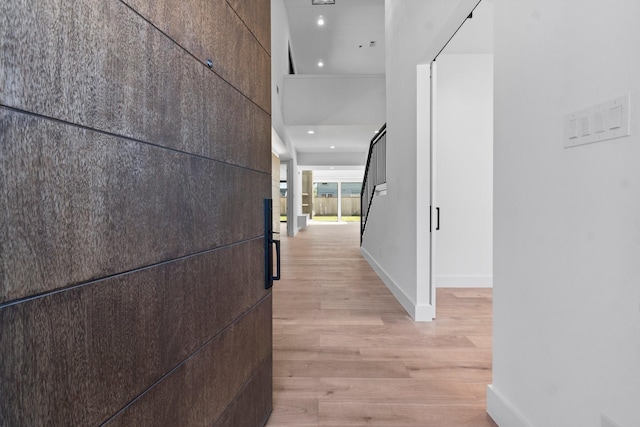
419, 313
464, 281
502, 411
424, 313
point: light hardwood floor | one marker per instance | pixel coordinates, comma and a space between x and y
347, 354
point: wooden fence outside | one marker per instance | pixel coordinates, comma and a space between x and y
328, 206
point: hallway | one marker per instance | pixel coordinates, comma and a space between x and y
347, 354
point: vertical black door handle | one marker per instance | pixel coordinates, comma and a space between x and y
277, 276
268, 246
438, 219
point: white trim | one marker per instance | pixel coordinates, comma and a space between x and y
464, 281
303, 220
419, 313
424, 313
502, 411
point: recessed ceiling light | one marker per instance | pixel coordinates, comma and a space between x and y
320, 64
332, 147
331, 168
376, 131
321, 2
311, 132
320, 21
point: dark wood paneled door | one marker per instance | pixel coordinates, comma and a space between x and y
135, 157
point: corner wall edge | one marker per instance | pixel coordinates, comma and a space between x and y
419, 313
503, 412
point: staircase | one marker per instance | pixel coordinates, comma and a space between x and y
375, 174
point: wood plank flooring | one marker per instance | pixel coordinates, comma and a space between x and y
347, 354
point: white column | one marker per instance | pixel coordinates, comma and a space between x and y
339, 200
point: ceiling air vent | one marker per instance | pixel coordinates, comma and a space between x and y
319, 2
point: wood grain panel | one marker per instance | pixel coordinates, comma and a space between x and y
384, 340
295, 412
400, 415
76, 357
235, 130
476, 371
111, 203
315, 353
253, 405
237, 56
100, 65
397, 390
181, 21
340, 369
242, 137
293, 316
132, 180
198, 391
211, 29
256, 14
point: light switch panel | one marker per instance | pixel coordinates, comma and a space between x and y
584, 126
601, 122
573, 129
614, 118
597, 119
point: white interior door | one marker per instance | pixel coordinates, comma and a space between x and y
461, 158
435, 209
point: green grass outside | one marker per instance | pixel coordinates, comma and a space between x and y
335, 218
283, 218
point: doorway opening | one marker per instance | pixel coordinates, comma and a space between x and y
461, 156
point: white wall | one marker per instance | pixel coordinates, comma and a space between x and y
349, 100
281, 143
280, 36
397, 235
344, 175
567, 221
464, 172
310, 160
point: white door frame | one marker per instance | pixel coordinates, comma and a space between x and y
425, 307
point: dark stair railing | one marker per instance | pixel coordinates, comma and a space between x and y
374, 174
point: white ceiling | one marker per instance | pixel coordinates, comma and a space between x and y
358, 100
344, 100
345, 139
349, 24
